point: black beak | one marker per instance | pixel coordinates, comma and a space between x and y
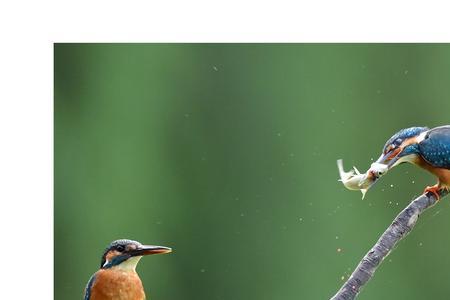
149, 249
390, 158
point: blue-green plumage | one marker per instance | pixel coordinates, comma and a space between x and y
398, 138
435, 148
87, 293
116, 261
427, 148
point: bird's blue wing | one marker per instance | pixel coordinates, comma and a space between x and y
87, 293
435, 148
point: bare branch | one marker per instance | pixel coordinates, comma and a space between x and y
400, 227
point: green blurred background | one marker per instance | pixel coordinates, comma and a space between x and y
227, 153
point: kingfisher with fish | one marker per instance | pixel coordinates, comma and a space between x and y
421, 146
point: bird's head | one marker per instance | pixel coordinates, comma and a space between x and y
402, 146
126, 254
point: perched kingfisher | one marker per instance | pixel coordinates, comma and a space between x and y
117, 278
424, 147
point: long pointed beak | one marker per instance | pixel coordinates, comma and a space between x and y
150, 249
390, 158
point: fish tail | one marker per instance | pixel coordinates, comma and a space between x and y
363, 191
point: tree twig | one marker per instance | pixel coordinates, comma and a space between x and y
400, 227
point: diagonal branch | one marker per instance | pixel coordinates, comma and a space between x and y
400, 227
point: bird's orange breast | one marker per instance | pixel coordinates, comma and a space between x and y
116, 284
441, 173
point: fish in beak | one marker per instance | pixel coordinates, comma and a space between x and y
354, 180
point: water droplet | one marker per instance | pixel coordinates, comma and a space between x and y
301, 219
337, 237
339, 250
202, 270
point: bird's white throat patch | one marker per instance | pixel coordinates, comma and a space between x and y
130, 264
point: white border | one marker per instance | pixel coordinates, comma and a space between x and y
26, 60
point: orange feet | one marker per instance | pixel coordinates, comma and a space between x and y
446, 187
435, 190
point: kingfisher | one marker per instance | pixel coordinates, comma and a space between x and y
117, 278
424, 147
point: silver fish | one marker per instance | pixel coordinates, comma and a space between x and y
377, 170
354, 180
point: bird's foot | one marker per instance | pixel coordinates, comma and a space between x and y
435, 190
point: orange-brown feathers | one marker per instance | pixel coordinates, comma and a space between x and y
441, 173
111, 254
117, 284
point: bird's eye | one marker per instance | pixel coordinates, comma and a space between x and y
120, 248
